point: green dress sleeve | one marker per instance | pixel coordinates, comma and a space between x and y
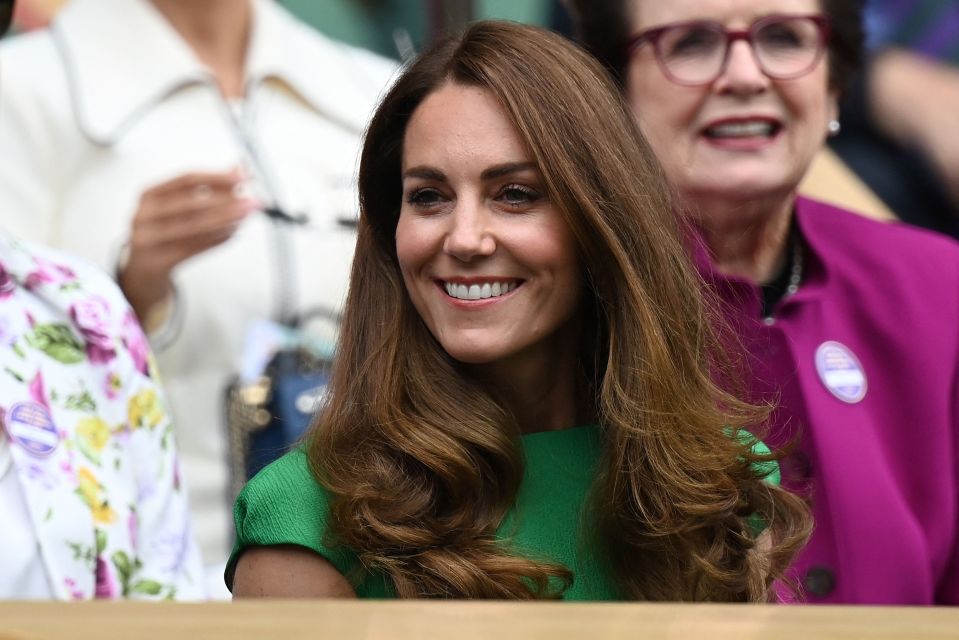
768, 471
285, 505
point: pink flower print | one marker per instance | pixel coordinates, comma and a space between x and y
90, 317
48, 273
106, 584
112, 385
136, 343
7, 284
37, 392
71, 585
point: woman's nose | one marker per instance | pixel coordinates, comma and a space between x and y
470, 234
742, 73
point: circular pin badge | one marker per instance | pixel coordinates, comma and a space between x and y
841, 372
29, 425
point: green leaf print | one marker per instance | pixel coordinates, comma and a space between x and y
101, 541
82, 552
122, 562
81, 402
89, 452
17, 349
58, 342
148, 587
16, 376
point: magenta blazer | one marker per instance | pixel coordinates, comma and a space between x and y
864, 363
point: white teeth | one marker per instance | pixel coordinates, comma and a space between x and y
741, 129
478, 292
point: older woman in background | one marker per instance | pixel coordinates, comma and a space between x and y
736, 97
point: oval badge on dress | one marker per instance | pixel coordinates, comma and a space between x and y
30, 426
841, 372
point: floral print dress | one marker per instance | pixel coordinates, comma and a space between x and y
89, 435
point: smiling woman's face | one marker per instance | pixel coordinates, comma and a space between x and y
742, 136
489, 263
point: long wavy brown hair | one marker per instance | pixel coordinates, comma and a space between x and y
422, 461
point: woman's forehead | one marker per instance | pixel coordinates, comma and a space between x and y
648, 13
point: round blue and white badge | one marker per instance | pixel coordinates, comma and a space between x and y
29, 425
841, 372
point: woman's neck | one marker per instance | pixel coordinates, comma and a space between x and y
542, 391
747, 239
218, 31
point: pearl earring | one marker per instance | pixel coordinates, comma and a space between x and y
834, 127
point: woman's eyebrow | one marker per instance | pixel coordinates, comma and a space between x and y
425, 173
505, 169
492, 173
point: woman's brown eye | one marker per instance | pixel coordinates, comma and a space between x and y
517, 195
424, 198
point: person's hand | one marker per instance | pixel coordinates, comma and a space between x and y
177, 220
915, 101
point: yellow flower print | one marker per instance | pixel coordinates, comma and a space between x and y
103, 514
93, 433
145, 410
91, 491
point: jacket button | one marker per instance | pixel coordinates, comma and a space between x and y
820, 581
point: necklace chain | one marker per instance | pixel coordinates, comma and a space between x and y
795, 273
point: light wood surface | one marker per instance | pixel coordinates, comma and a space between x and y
829, 179
370, 620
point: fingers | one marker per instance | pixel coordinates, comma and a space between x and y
224, 181
216, 219
187, 215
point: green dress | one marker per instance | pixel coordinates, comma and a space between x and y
284, 504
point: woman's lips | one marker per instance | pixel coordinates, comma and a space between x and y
742, 133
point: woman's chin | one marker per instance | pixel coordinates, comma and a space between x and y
742, 187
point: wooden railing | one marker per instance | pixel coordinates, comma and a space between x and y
370, 620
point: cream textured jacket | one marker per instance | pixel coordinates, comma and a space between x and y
110, 101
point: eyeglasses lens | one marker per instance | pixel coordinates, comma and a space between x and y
692, 53
784, 47
787, 48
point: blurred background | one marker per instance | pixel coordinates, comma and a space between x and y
387, 27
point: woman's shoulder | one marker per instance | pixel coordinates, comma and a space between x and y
283, 488
285, 505
856, 234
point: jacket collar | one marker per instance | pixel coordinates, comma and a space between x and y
817, 243
122, 58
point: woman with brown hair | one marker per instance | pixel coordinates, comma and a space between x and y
524, 403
